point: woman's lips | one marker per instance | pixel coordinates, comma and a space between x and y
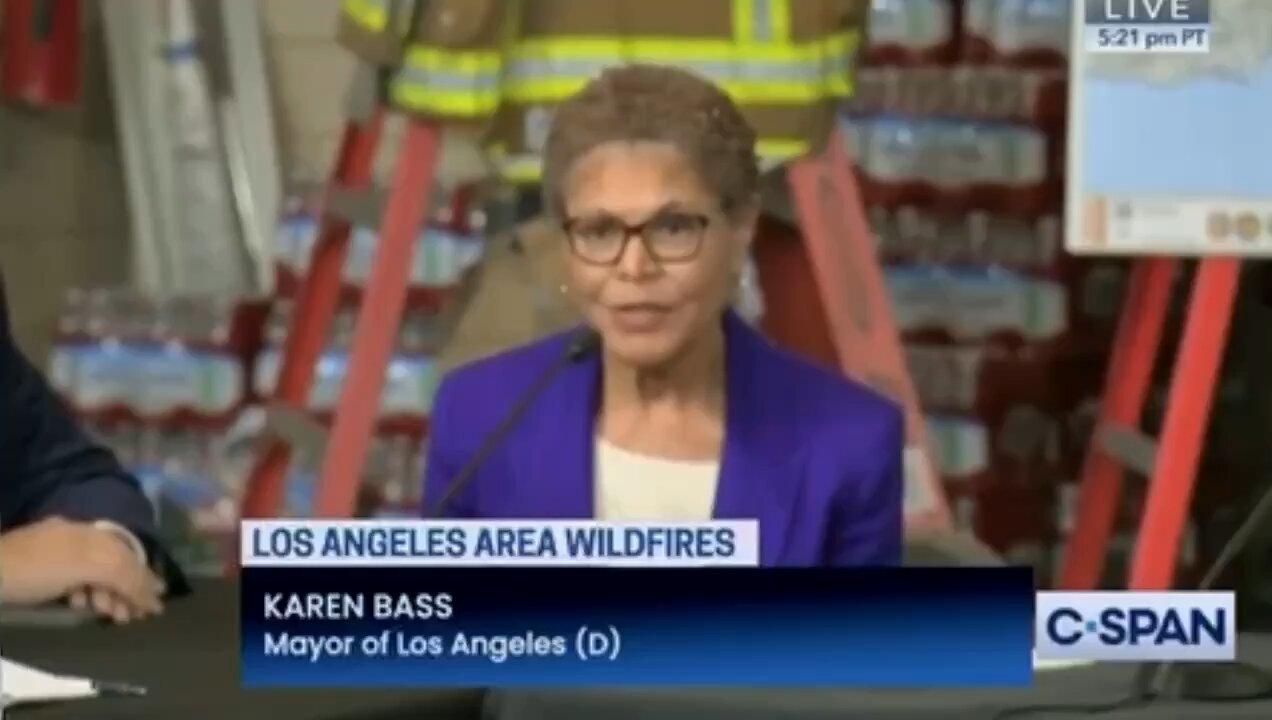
639, 317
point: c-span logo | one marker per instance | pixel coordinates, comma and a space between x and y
1136, 626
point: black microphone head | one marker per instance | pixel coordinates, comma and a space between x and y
583, 343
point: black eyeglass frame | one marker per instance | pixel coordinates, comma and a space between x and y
701, 222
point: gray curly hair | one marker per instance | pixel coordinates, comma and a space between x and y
655, 103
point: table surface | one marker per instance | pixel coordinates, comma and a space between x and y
1056, 694
189, 661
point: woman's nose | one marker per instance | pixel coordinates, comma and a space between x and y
635, 261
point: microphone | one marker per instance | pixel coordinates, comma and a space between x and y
582, 344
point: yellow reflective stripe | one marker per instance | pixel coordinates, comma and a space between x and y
839, 45
453, 83
516, 168
839, 87
412, 94
529, 168
807, 72
742, 91
768, 147
781, 148
373, 15
661, 48
521, 169
465, 103
370, 14
547, 70
472, 62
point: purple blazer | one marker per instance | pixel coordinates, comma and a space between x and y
815, 457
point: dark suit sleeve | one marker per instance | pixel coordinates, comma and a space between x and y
445, 456
869, 513
51, 468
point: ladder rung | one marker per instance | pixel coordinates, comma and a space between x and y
1134, 449
306, 436
361, 207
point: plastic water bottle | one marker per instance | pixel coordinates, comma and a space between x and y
68, 344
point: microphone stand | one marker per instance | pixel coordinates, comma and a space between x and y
1205, 680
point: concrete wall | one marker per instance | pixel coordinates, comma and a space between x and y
63, 212
63, 209
310, 73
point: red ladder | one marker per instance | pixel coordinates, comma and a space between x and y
379, 314
1172, 460
846, 268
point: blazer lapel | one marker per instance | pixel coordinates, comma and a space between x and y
559, 484
756, 480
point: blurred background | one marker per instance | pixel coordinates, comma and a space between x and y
161, 162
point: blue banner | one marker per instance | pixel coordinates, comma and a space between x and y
445, 626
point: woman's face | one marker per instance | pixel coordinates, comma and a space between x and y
652, 259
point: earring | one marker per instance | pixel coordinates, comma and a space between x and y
565, 290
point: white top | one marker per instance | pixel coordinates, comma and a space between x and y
635, 487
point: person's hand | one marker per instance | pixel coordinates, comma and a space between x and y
92, 566
109, 604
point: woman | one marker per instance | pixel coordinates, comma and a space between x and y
683, 412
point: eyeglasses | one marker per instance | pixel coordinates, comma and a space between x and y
668, 237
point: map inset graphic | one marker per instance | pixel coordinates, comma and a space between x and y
1161, 141
1194, 124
